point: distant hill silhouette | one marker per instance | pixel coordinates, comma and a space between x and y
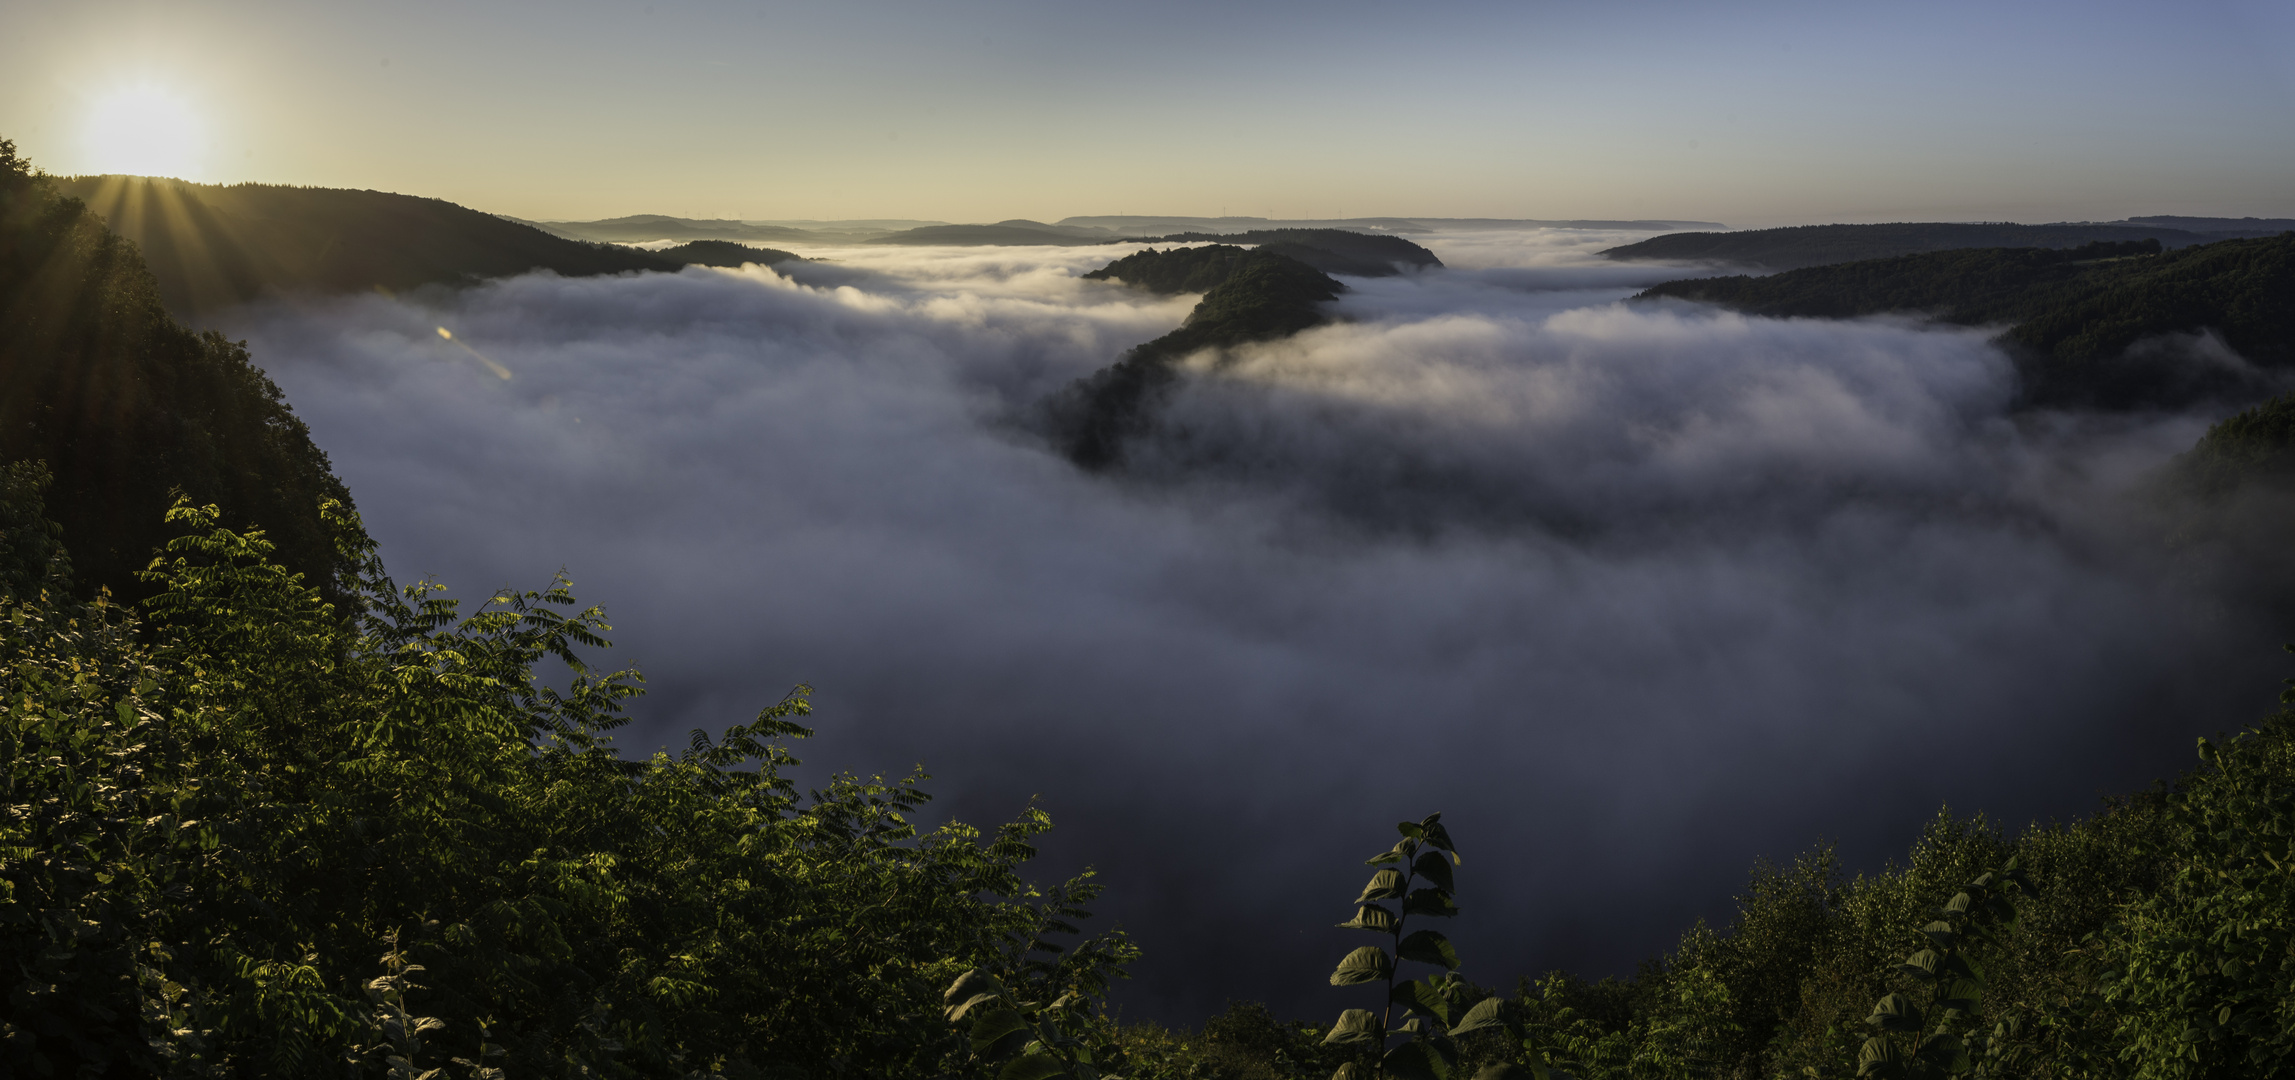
2087, 325
211, 246
722, 253
2242, 226
1819, 245
1140, 226
641, 228
1018, 232
124, 405
1249, 296
1332, 251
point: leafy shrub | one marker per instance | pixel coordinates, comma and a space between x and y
212, 823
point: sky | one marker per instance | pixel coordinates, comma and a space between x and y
1637, 595
1752, 114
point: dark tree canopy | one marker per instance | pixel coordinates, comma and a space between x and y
211, 246
126, 406
728, 253
1250, 296
1332, 251
1819, 245
2086, 322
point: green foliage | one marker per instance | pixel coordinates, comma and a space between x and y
32, 557
2076, 313
2203, 976
1436, 1010
1263, 296
2253, 448
1174, 270
210, 824
1930, 1034
727, 253
126, 407
1332, 251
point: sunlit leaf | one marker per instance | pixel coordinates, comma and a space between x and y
1374, 918
1483, 1015
1356, 1027
1895, 1012
1367, 964
1384, 885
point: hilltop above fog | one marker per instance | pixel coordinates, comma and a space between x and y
210, 246
1800, 246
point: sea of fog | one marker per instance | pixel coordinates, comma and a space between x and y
1636, 595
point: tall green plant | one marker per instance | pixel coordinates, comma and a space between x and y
1417, 877
1932, 1033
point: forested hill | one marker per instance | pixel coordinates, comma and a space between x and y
1249, 296
1014, 233
1332, 251
722, 253
2086, 324
124, 405
1820, 245
641, 228
211, 246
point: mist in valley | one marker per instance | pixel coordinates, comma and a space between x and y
1636, 594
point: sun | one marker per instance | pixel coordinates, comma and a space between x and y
144, 130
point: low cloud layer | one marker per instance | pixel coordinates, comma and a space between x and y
1636, 595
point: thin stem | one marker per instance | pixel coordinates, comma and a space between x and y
1402, 915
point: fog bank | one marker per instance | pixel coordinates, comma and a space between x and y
1636, 594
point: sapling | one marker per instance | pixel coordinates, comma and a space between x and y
1935, 1038
1426, 1014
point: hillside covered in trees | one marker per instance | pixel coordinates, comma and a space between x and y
1818, 245
2086, 325
721, 253
1248, 295
211, 246
124, 405
645, 228
1332, 251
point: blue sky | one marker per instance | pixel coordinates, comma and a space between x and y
1760, 113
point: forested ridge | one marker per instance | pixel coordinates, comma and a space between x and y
125, 405
210, 246
2075, 316
1248, 295
266, 812
1796, 246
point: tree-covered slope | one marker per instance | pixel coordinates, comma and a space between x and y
2086, 324
1175, 270
721, 253
1819, 245
1251, 296
211, 246
1014, 233
125, 405
1332, 251
644, 228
